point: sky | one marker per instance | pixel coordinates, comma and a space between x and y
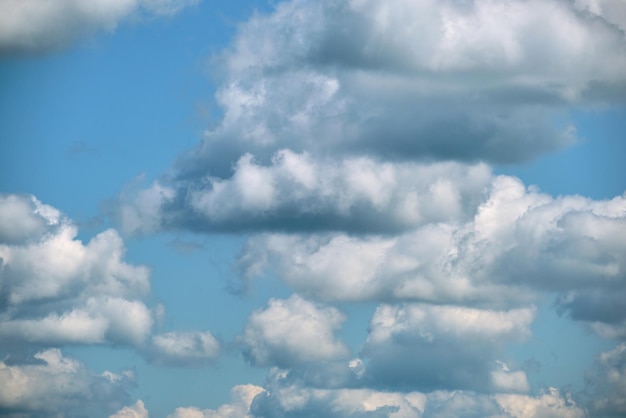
333, 208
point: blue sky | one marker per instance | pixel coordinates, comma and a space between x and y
292, 209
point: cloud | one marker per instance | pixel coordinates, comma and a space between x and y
292, 331
430, 348
518, 245
285, 399
241, 399
192, 348
297, 192
549, 404
479, 80
55, 290
138, 410
32, 25
52, 383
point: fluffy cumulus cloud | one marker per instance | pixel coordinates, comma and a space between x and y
33, 25
283, 398
292, 331
241, 399
447, 79
51, 384
297, 192
518, 244
138, 410
430, 347
57, 290
321, 100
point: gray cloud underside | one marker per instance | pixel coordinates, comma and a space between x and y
38, 26
469, 81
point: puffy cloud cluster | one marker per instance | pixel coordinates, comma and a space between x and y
355, 146
33, 25
293, 331
430, 348
138, 410
51, 383
241, 399
296, 192
55, 291
286, 399
465, 80
519, 243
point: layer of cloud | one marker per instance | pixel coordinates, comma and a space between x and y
478, 80
57, 290
519, 244
296, 192
33, 25
430, 348
286, 399
138, 410
241, 399
292, 331
52, 384
191, 348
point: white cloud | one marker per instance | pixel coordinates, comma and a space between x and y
293, 331
432, 347
190, 348
54, 383
299, 192
241, 399
480, 80
287, 399
32, 25
100, 320
517, 245
549, 404
138, 410
56, 290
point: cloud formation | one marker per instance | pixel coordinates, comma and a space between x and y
32, 25
478, 80
296, 192
241, 399
292, 331
57, 291
50, 384
428, 348
518, 245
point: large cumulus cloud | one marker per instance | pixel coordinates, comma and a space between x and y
292, 331
519, 244
446, 79
57, 291
51, 384
316, 93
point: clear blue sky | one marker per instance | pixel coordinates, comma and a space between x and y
335, 208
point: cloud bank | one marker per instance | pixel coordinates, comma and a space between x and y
56, 291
